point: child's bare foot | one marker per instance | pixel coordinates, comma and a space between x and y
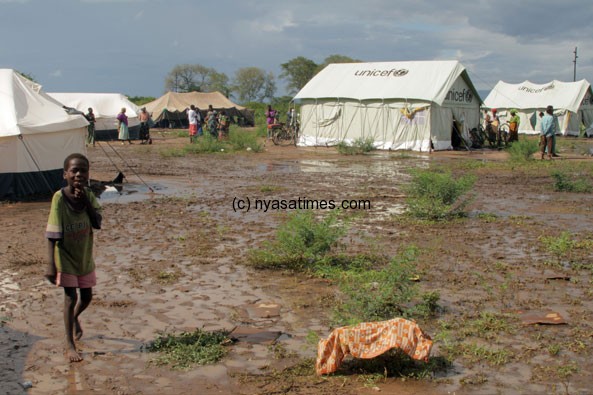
73, 355
77, 330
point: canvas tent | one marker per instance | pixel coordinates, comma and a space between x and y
171, 107
572, 103
105, 106
399, 105
36, 135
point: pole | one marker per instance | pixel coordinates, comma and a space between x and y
574, 76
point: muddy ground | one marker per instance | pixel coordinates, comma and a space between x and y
174, 260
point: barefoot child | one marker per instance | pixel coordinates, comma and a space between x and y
73, 215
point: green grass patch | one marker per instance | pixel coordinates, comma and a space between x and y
565, 183
522, 150
379, 294
189, 348
436, 195
300, 243
359, 146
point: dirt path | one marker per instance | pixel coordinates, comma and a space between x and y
173, 261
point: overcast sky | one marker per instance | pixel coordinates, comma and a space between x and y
129, 46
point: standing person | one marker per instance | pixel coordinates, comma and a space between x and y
192, 118
122, 127
514, 126
495, 124
223, 125
144, 119
548, 131
73, 215
211, 120
90, 137
270, 119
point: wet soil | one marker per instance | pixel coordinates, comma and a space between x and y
171, 257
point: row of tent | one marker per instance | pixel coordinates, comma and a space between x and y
424, 104
398, 105
38, 130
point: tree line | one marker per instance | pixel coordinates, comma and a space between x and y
249, 84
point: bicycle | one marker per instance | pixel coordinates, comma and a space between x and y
283, 134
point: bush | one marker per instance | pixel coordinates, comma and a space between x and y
189, 348
300, 243
359, 146
436, 195
377, 295
241, 140
563, 183
523, 150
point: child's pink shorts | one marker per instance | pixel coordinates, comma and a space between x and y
73, 281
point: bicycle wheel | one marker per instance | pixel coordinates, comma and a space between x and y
277, 135
284, 137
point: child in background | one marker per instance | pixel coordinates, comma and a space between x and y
73, 214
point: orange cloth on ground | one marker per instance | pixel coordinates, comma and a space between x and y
370, 339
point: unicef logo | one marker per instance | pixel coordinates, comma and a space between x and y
469, 96
400, 72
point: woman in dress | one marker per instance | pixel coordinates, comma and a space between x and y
122, 127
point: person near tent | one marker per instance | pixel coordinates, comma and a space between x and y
271, 115
495, 125
90, 137
212, 121
73, 215
144, 119
200, 121
192, 118
547, 133
122, 127
223, 125
514, 126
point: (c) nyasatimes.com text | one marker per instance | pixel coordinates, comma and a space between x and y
302, 203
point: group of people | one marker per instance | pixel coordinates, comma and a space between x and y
548, 122
216, 122
123, 132
495, 132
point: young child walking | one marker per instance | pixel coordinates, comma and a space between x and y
74, 213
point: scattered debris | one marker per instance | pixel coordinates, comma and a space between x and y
254, 335
541, 318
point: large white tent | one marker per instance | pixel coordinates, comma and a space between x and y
399, 105
572, 103
105, 106
36, 135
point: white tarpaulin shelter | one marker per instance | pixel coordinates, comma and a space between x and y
399, 105
36, 135
105, 106
572, 103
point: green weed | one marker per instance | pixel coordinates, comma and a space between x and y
437, 195
300, 242
376, 295
564, 183
522, 150
561, 246
189, 348
360, 145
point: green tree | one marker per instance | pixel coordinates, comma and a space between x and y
336, 59
253, 84
298, 72
195, 77
220, 82
28, 76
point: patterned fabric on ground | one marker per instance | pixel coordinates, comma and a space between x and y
370, 339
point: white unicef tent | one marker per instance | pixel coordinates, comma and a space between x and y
36, 135
399, 105
572, 103
105, 106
